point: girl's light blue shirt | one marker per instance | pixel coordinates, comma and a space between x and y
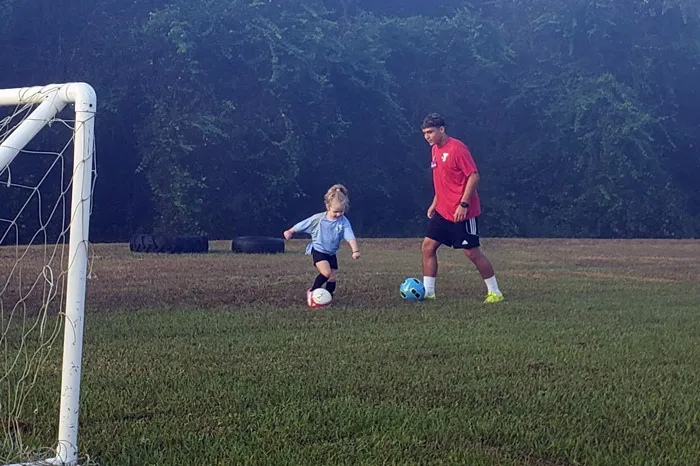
326, 235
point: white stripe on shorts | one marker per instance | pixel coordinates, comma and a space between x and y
471, 227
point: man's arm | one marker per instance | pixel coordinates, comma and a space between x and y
465, 163
431, 209
472, 183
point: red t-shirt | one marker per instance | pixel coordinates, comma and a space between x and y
452, 164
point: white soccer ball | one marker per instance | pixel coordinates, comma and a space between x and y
320, 297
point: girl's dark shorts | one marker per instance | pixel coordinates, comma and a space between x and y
319, 256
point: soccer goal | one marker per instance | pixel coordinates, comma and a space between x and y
45, 203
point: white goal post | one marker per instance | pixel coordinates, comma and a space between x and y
44, 103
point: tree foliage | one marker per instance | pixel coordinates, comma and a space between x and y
234, 116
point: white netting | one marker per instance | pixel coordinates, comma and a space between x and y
35, 217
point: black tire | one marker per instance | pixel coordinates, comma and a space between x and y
135, 244
169, 244
159, 244
257, 245
141, 243
149, 243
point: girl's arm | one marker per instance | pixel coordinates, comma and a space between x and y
355, 248
305, 226
349, 236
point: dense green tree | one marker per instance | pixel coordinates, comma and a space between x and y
234, 116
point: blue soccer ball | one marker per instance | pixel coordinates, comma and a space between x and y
412, 289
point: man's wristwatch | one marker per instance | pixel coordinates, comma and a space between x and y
464, 204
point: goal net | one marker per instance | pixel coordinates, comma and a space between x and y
46, 177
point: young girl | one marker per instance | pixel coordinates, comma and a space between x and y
327, 230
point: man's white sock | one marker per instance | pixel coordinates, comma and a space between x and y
492, 285
429, 284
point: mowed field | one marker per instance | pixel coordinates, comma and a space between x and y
594, 358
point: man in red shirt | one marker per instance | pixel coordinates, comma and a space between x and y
455, 210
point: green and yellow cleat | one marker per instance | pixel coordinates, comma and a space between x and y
492, 298
429, 297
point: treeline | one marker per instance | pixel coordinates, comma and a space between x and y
230, 117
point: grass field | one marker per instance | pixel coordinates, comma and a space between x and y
594, 359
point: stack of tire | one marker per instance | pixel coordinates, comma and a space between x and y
257, 245
169, 244
199, 244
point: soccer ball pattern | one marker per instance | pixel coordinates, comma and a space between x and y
412, 289
320, 297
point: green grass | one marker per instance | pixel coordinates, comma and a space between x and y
574, 368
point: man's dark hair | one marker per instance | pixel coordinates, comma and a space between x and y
433, 120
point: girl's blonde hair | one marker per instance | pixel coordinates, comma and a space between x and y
337, 193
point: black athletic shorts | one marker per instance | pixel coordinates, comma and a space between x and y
462, 235
320, 256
